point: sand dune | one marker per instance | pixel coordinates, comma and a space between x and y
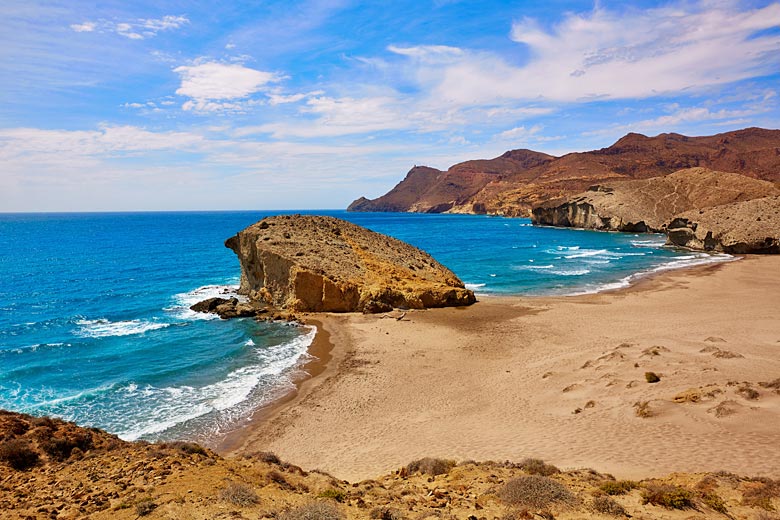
561, 379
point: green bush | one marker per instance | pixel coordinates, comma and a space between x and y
666, 495
333, 494
617, 487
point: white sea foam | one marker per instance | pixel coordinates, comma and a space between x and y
474, 286
183, 301
585, 253
570, 272
249, 343
654, 243
532, 267
102, 328
677, 263
171, 406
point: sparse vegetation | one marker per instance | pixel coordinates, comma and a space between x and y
430, 466
187, 447
268, 457
608, 506
239, 494
760, 493
714, 502
386, 513
60, 448
18, 454
652, 377
642, 409
667, 495
313, 511
538, 467
535, 491
333, 494
748, 393
617, 487
145, 506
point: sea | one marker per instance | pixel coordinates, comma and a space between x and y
95, 325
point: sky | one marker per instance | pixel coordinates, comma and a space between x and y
177, 105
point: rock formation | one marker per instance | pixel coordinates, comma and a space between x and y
647, 205
752, 226
315, 263
520, 180
227, 308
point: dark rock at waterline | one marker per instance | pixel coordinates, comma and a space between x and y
229, 308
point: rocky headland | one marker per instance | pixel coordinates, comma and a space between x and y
305, 263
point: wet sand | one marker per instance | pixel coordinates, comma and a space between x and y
556, 378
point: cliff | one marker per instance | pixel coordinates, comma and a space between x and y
752, 226
647, 205
520, 180
116, 480
315, 263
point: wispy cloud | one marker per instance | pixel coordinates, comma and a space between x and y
138, 29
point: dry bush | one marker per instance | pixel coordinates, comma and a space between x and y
608, 506
535, 491
430, 466
267, 457
763, 515
386, 513
60, 448
714, 502
642, 409
667, 495
538, 467
313, 511
189, 448
239, 494
18, 454
144, 506
748, 393
518, 514
760, 493
617, 487
774, 385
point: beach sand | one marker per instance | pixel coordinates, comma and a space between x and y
553, 378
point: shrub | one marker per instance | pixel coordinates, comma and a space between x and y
714, 502
333, 494
239, 494
60, 448
652, 377
607, 506
430, 466
145, 506
666, 495
760, 494
642, 409
538, 467
189, 448
535, 491
18, 454
518, 514
617, 487
748, 393
386, 513
313, 511
268, 457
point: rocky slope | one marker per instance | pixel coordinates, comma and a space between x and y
648, 205
742, 227
75, 473
519, 180
314, 263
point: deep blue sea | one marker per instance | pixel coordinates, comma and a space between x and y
95, 325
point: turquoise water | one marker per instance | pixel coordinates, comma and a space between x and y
95, 325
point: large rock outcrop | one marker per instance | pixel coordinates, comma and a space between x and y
648, 205
743, 227
519, 180
316, 263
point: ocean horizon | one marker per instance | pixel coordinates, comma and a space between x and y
95, 325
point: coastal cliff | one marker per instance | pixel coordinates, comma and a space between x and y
743, 227
520, 180
648, 205
316, 263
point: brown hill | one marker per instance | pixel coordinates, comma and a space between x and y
314, 263
519, 180
649, 204
116, 480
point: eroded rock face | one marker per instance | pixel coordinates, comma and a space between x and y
315, 263
648, 205
739, 228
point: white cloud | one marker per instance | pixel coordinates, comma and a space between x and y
214, 86
520, 133
84, 27
609, 55
137, 29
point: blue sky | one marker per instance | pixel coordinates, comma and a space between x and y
283, 105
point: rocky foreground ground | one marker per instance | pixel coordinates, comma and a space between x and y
53, 469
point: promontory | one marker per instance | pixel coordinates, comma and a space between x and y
324, 264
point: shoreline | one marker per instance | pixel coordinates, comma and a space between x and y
343, 399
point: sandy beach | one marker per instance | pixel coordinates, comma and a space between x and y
560, 379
